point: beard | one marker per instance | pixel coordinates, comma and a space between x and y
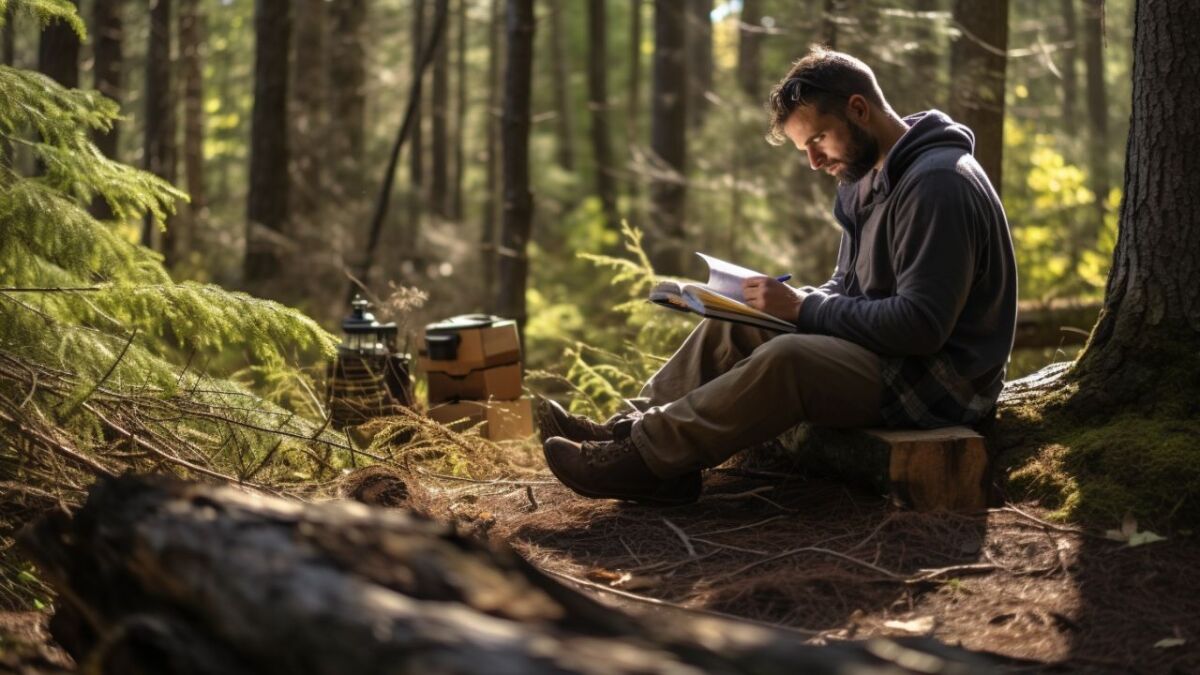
860, 156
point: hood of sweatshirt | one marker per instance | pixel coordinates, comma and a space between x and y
926, 131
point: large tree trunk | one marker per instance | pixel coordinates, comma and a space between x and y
1144, 347
108, 59
191, 57
559, 81
513, 264
347, 105
267, 202
606, 184
700, 59
977, 72
166, 577
487, 249
749, 62
440, 147
668, 139
1097, 100
159, 145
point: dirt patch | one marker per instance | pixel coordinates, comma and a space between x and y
822, 558
26, 647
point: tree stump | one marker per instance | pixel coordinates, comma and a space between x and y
159, 576
925, 469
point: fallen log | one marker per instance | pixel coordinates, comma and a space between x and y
1056, 323
161, 576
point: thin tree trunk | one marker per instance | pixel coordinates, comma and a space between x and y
1093, 57
267, 202
308, 128
191, 43
700, 58
750, 34
416, 149
347, 105
159, 145
58, 53
438, 190
513, 267
829, 26
668, 139
924, 90
1070, 77
108, 59
634, 102
977, 71
492, 120
606, 186
460, 115
1146, 341
559, 81
8, 56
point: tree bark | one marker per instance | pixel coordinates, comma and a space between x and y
513, 264
159, 151
700, 59
668, 139
440, 150
488, 237
606, 184
1093, 57
156, 576
347, 77
191, 57
560, 83
977, 70
1144, 347
267, 201
749, 63
416, 148
108, 60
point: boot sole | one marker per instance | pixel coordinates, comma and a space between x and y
648, 500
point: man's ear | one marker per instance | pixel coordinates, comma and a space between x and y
858, 109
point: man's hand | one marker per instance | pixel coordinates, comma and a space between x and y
773, 297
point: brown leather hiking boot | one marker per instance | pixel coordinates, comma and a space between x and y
615, 470
554, 420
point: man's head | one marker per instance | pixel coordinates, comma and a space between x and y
830, 106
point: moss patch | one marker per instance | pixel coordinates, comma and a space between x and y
1147, 466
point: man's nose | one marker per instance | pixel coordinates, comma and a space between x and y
816, 158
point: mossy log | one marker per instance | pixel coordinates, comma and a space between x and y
159, 576
924, 469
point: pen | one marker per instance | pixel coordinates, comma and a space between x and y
785, 277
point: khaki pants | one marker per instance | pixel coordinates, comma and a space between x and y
732, 386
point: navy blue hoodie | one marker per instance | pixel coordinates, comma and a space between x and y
926, 277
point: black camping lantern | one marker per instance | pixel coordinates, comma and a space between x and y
363, 335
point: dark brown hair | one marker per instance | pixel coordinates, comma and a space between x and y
822, 78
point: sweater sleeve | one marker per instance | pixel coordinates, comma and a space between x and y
933, 255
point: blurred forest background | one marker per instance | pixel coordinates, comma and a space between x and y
278, 119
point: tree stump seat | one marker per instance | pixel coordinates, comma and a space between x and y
925, 469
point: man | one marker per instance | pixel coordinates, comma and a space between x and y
914, 328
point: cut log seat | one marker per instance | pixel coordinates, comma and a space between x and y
924, 469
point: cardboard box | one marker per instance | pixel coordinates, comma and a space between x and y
503, 420
499, 382
484, 347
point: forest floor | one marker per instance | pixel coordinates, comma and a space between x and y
822, 559
833, 563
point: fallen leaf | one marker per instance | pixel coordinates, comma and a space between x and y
921, 624
1167, 643
1147, 537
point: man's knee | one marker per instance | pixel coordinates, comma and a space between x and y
794, 351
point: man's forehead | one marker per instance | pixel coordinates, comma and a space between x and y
804, 121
